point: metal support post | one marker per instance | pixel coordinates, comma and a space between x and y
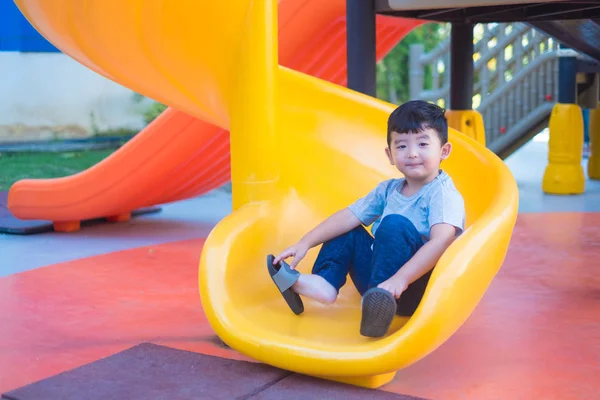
361, 50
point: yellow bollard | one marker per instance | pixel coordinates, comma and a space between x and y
564, 173
469, 122
593, 168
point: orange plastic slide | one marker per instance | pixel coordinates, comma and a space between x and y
179, 156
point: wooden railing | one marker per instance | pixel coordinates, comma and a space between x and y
515, 79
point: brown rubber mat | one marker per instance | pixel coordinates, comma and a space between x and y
149, 371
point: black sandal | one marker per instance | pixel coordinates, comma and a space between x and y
284, 277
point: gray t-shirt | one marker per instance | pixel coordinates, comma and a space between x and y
437, 202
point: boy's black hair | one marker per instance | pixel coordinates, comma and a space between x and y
415, 116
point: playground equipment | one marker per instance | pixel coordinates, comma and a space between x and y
301, 148
178, 156
574, 25
196, 159
517, 83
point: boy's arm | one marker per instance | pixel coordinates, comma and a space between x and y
446, 219
363, 211
341, 222
441, 236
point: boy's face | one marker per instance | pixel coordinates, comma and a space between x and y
417, 155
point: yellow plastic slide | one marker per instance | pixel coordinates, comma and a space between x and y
301, 148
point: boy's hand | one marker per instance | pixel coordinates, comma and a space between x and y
395, 285
298, 251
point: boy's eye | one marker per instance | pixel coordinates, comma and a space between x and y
423, 144
402, 146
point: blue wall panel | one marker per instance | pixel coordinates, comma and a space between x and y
17, 34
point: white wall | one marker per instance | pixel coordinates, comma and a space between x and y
46, 95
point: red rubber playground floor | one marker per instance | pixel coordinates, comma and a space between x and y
535, 334
75, 308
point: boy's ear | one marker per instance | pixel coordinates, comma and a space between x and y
388, 153
446, 150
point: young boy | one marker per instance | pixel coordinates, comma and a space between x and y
415, 219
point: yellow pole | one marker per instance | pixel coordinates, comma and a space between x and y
469, 122
564, 173
594, 159
254, 109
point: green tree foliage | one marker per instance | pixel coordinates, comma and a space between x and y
149, 111
153, 111
393, 75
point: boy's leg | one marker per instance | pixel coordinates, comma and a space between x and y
409, 300
348, 253
397, 240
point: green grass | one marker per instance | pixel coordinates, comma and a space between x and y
16, 166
